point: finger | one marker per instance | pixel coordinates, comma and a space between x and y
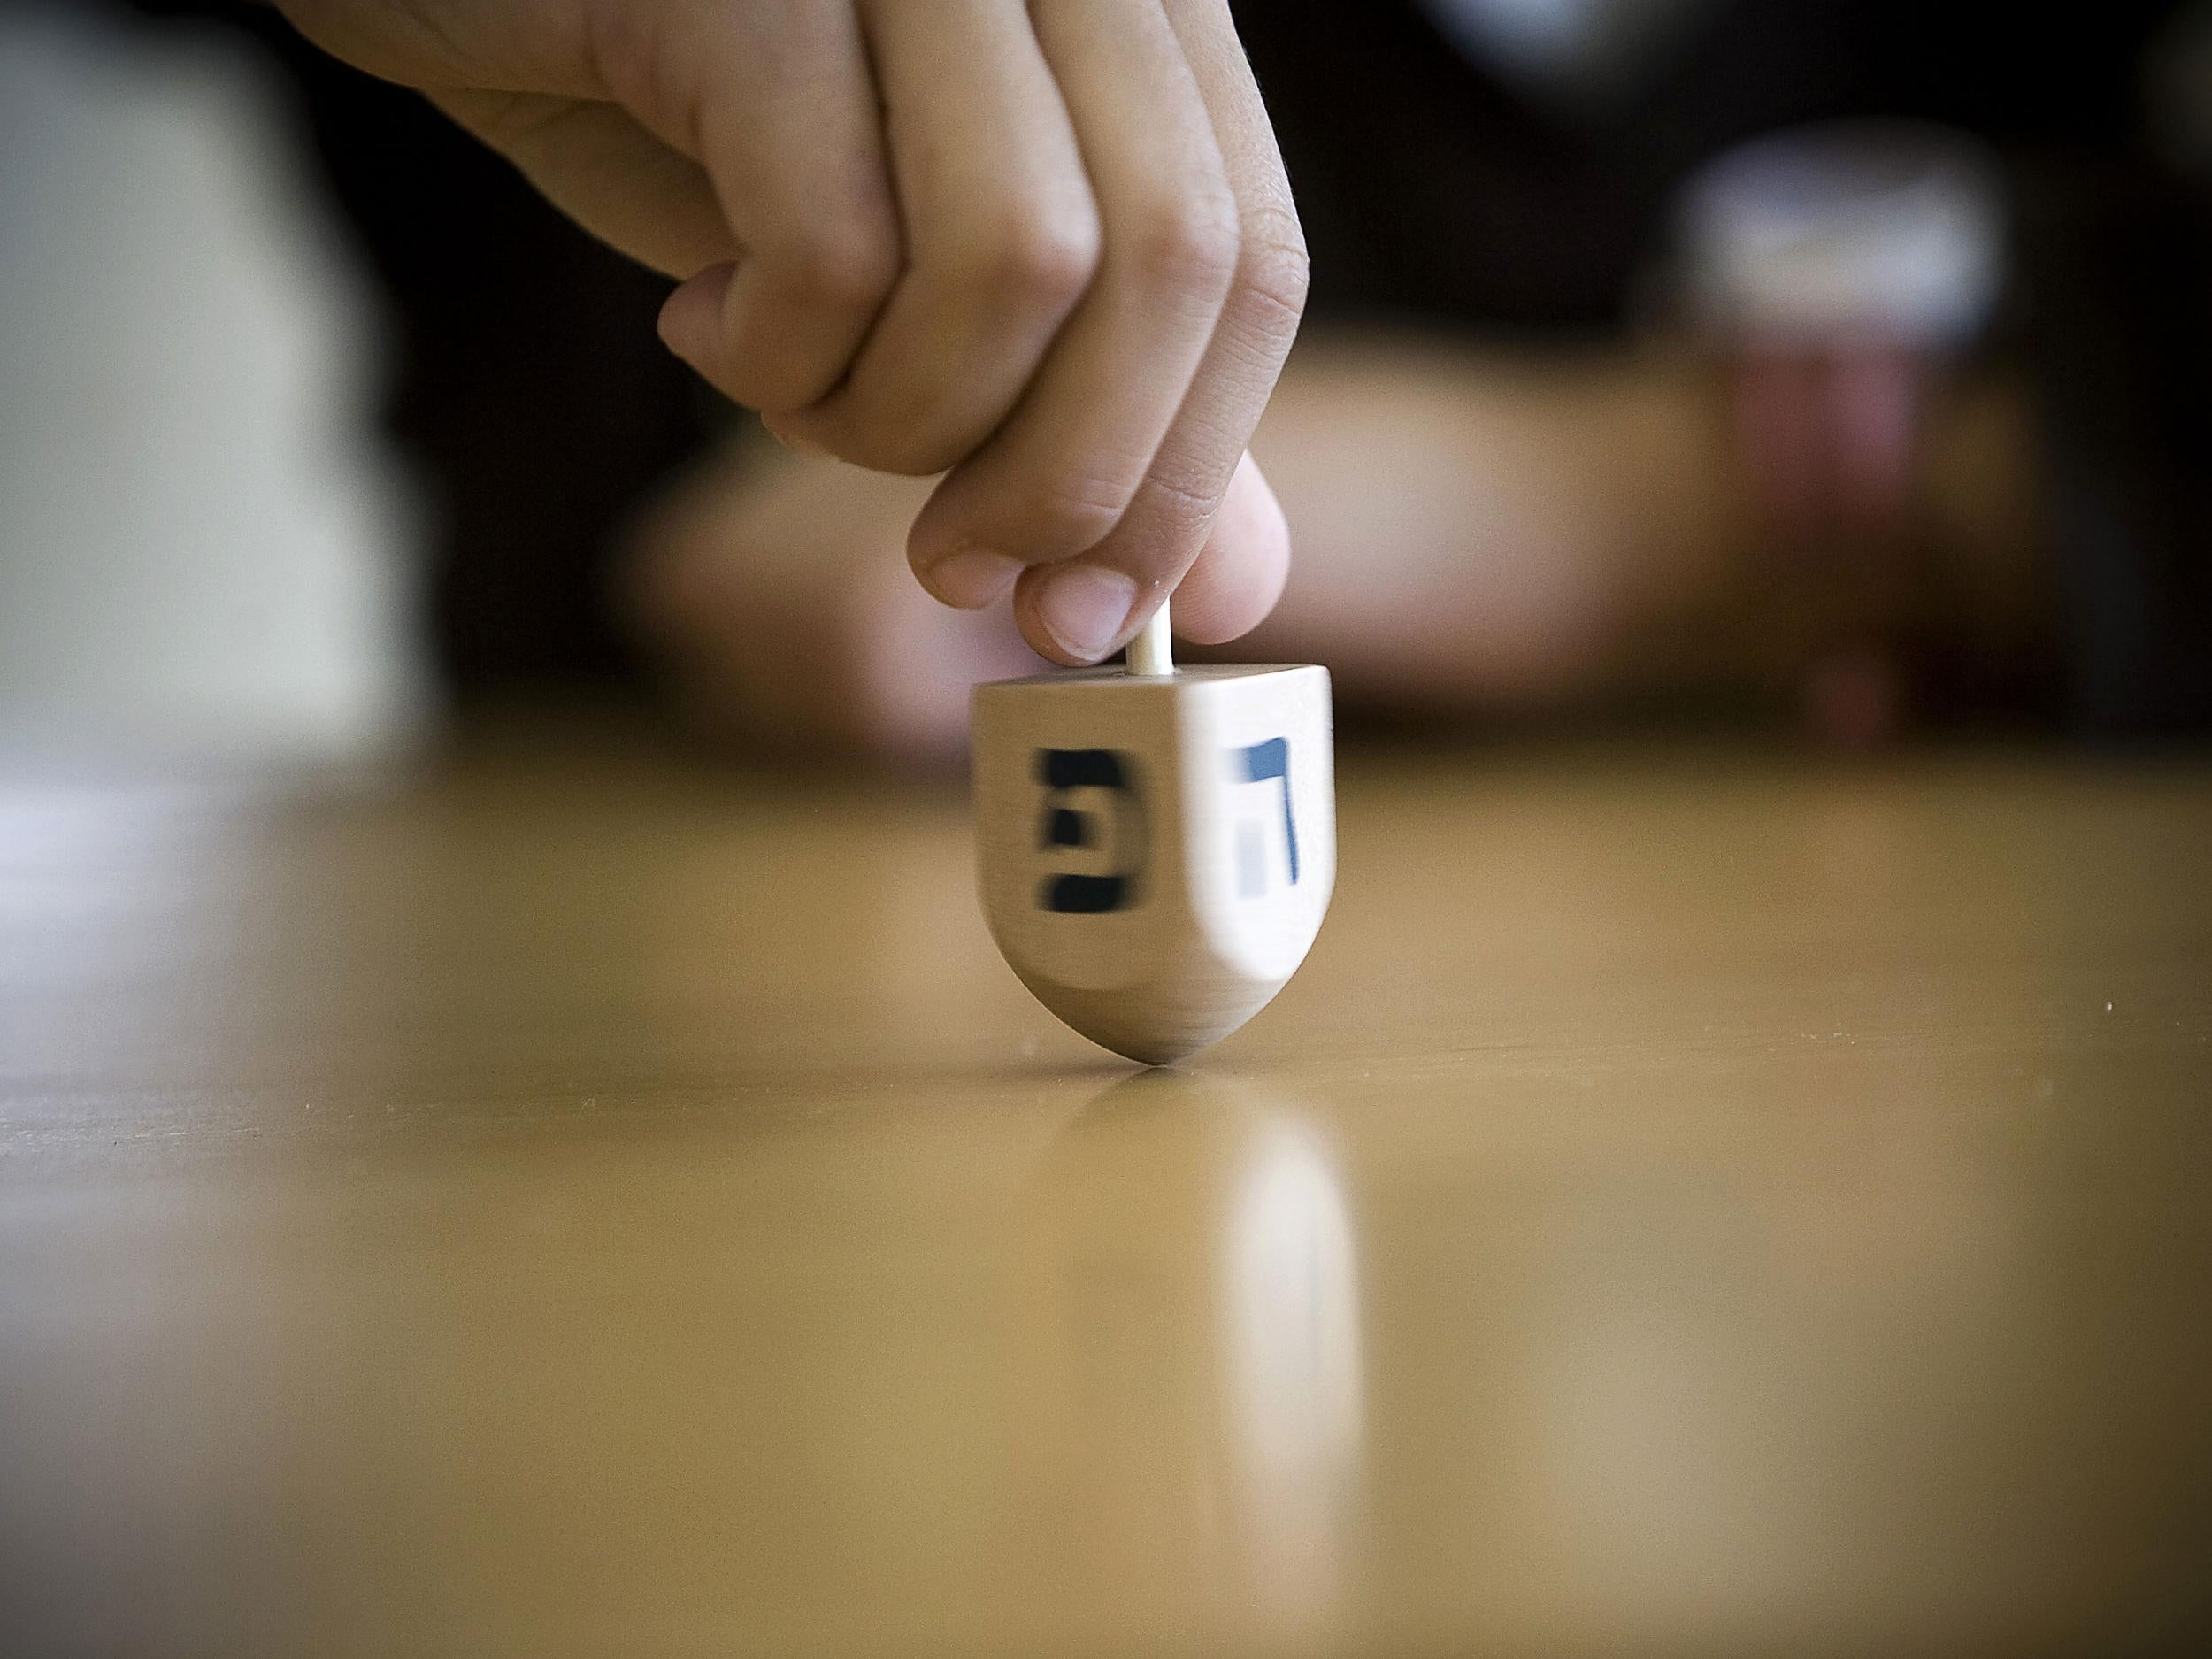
1231, 565
1056, 477
776, 105
550, 50
1002, 238
597, 165
781, 109
1240, 573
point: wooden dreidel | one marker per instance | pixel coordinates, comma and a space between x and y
1155, 845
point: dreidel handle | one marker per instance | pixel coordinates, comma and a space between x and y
1152, 652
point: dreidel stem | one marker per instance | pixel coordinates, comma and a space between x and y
1151, 652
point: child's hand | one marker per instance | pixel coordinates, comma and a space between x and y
1046, 246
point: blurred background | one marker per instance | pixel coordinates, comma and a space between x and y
1832, 368
569, 1201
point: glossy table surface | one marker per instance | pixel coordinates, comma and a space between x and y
560, 1199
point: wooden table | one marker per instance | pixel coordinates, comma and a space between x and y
564, 1201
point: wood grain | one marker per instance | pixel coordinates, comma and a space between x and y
563, 1201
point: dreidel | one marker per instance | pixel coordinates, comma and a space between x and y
1155, 845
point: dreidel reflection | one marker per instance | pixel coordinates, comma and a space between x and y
1186, 1380
1155, 846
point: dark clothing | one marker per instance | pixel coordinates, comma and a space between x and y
1428, 188
532, 384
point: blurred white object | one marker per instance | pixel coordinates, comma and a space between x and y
205, 545
1580, 53
1888, 230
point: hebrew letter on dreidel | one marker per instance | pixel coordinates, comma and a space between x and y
1258, 763
1062, 772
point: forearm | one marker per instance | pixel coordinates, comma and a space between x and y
1477, 528
1475, 525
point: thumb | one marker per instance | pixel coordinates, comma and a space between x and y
1067, 608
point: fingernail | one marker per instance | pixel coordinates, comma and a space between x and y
972, 578
680, 332
690, 317
1085, 607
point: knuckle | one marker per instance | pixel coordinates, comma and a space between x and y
1182, 496
1188, 247
1050, 519
1046, 256
1274, 275
1079, 509
849, 261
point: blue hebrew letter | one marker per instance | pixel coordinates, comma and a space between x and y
1257, 764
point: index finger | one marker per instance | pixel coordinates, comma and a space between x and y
1231, 566
1057, 477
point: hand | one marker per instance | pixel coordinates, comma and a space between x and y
1508, 534
768, 586
1044, 246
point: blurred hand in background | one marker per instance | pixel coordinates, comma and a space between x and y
768, 587
1518, 533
